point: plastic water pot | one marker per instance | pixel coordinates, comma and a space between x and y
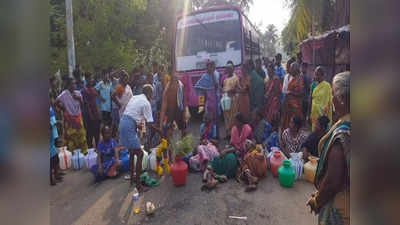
65, 158
145, 161
153, 159
286, 174
179, 172
78, 160
276, 162
91, 158
310, 168
124, 157
226, 102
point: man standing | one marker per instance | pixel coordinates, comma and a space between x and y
93, 118
265, 66
114, 75
137, 111
54, 92
104, 89
209, 86
81, 82
279, 71
173, 107
158, 91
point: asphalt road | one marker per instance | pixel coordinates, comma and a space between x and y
77, 200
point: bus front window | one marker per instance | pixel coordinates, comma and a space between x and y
212, 35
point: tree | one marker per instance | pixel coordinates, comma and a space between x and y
303, 14
270, 38
243, 4
118, 33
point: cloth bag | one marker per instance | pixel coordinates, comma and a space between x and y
297, 164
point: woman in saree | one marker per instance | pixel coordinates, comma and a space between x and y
253, 167
257, 88
243, 93
70, 102
230, 81
294, 97
321, 98
209, 87
241, 131
273, 91
332, 179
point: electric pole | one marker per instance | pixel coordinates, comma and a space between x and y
70, 37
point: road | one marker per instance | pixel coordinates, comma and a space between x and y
77, 200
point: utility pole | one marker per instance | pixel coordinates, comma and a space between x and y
313, 38
70, 37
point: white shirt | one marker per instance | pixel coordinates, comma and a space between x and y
286, 81
139, 109
265, 70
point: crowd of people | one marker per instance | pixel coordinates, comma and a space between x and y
269, 106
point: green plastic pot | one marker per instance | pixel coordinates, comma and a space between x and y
286, 174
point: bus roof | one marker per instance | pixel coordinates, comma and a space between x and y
221, 7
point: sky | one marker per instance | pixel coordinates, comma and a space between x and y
269, 12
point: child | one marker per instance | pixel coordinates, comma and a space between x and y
261, 128
54, 160
208, 129
108, 162
207, 150
273, 139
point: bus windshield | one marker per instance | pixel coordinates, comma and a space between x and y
214, 35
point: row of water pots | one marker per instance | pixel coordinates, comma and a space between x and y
293, 169
78, 160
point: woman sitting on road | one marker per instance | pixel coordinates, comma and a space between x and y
310, 147
240, 132
108, 161
293, 137
261, 128
253, 167
205, 152
208, 129
207, 149
221, 168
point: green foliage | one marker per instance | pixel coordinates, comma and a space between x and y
304, 14
243, 4
182, 147
117, 33
270, 38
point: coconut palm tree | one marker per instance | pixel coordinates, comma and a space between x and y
303, 14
